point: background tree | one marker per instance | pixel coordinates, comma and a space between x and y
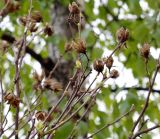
44, 30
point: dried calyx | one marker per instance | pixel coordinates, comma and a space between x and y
23, 20
11, 6
74, 16
114, 74
52, 85
122, 35
42, 115
73, 8
38, 79
41, 83
33, 27
68, 47
79, 46
36, 16
145, 50
31, 20
109, 62
48, 30
12, 99
98, 65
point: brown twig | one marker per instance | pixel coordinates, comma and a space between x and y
18, 63
2, 101
147, 99
80, 98
54, 68
78, 121
115, 121
63, 95
32, 128
145, 131
92, 97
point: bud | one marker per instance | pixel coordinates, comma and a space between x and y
48, 30
73, 8
109, 62
79, 46
122, 35
114, 74
145, 50
78, 64
98, 65
36, 16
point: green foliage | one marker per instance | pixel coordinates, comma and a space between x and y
143, 27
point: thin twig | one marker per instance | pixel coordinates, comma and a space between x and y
92, 97
17, 70
80, 98
2, 95
145, 131
115, 121
147, 100
32, 128
63, 95
5, 117
54, 68
78, 121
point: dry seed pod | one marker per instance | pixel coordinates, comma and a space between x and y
41, 115
36, 16
79, 46
145, 50
11, 99
52, 85
33, 27
10, 8
98, 65
16, 102
68, 47
23, 20
122, 35
73, 8
38, 79
13, 6
48, 30
114, 74
109, 62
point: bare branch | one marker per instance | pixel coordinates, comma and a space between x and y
115, 121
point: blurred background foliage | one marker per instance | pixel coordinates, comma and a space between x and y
103, 18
